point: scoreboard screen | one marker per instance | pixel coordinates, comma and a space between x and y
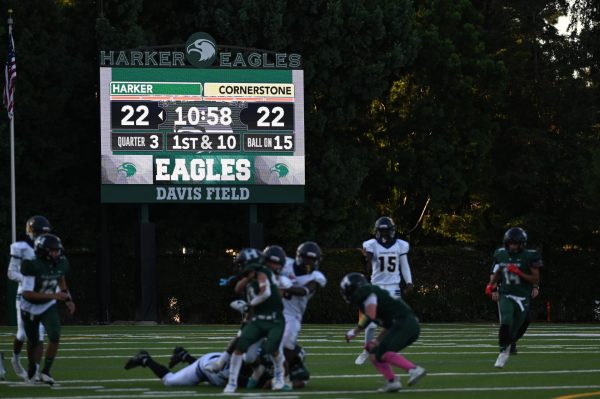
201, 135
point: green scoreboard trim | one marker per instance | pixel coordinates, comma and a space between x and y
179, 103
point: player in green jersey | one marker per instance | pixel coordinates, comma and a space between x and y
20, 250
400, 328
266, 309
41, 277
516, 273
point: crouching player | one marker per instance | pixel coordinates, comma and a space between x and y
400, 328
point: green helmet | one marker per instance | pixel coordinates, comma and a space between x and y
515, 235
246, 256
350, 283
45, 244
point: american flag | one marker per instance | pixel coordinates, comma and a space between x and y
10, 75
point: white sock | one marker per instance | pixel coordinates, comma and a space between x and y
370, 333
258, 372
234, 369
278, 366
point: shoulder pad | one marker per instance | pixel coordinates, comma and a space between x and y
404, 246
362, 293
368, 245
284, 282
319, 278
288, 269
18, 247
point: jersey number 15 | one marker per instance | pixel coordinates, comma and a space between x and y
391, 263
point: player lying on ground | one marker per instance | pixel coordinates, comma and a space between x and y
400, 328
197, 370
193, 374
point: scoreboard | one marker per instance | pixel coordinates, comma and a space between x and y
201, 135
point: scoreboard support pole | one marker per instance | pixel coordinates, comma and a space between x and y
103, 277
256, 229
147, 258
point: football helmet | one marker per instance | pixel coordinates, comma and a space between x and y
515, 235
274, 257
350, 283
45, 244
37, 225
308, 258
246, 256
385, 230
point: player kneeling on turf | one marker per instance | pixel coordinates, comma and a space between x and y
400, 328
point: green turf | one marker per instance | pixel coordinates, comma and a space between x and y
554, 360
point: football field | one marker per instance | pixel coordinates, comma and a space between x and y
554, 361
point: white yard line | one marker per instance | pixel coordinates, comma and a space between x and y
279, 395
352, 352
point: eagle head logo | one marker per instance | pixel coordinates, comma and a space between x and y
201, 49
127, 168
280, 169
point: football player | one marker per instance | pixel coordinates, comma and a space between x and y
19, 251
535, 291
194, 373
244, 257
387, 261
262, 291
517, 271
41, 277
400, 328
2, 371
304, 273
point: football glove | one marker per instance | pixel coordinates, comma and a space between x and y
489, 289
225, 281
239, 305
515, 270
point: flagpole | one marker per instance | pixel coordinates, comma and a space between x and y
13, 203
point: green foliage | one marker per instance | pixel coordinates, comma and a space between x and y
457, 118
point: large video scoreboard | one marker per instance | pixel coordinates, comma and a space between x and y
201, 135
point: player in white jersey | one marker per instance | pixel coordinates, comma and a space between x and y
386, 257
306, 278
193, 374
19, 251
